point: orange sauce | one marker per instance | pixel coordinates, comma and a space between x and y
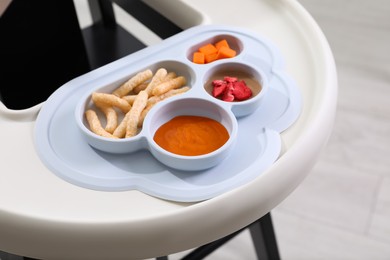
191, 135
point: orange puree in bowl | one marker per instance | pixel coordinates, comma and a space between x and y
191, 135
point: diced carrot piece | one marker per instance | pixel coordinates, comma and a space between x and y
198, 58
210, 57
212, 52
221, 43
225, 52
208, 49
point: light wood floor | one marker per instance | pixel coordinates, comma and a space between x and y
342, 209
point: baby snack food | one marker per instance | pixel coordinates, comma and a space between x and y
131, 101
231, 89
211, 52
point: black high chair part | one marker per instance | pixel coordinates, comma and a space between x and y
42, 45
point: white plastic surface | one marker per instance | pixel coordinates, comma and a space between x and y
44, 217
258, 144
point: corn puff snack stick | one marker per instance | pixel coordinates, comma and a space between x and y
174, 92
104, 99
111, 118
143, 114
170, 93
120, 131
135, 112
168, 85
157, 79
140, 87
155, 99
130, 99
170, 75
95, 125
144, 85
128, 86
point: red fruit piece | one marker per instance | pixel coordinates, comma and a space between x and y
219, 87
228, 93
230, 79
241, 91
218, 82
